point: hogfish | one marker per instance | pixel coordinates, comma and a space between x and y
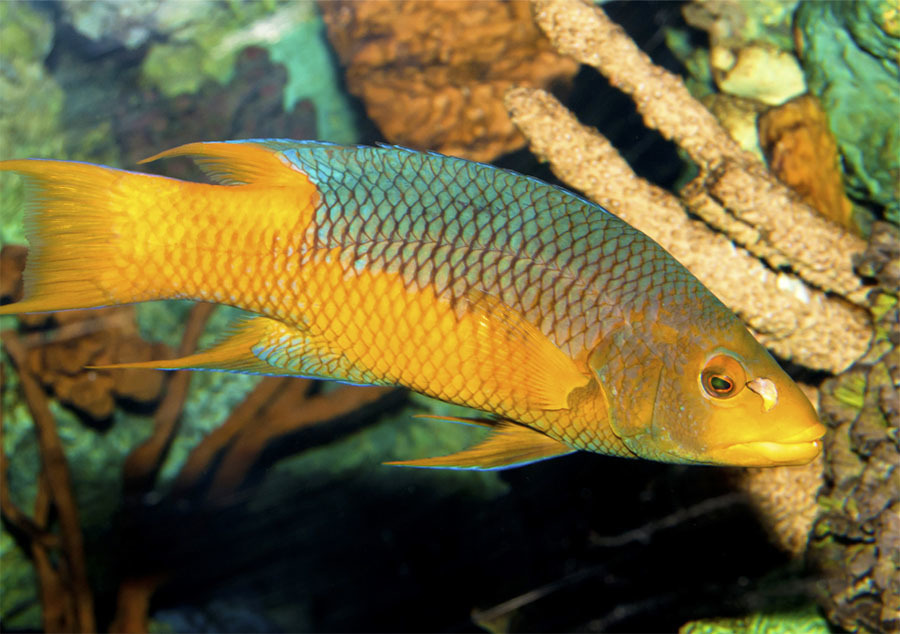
568, 328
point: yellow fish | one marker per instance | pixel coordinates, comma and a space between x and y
465, 282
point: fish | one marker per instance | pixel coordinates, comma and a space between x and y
563, 326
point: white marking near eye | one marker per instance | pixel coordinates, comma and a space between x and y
767, 390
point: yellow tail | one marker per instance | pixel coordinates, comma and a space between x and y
85, 225
100, 236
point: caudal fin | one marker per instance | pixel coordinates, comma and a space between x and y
80, 220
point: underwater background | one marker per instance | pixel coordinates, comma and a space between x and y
188, 502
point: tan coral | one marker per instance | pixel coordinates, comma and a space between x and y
432, 74
734, 189
794, 320
785, 501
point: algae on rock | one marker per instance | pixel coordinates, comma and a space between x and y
850, 54
856, 538
293, 33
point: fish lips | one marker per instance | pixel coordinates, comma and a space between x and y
799, 449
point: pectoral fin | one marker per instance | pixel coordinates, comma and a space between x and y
508, 445
543, 372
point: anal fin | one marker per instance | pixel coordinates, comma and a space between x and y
509, 445
264, 346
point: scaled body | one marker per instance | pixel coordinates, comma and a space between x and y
459, 280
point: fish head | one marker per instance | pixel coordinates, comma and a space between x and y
733, 405
708, 394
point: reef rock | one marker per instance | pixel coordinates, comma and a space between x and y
432, 75
758, 72
736, 23
739, 117
850, 52
802, 153
856, 538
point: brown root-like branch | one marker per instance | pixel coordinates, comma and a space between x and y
144, 462
65, 592
201, 458
290, 412
794, 320
734, 191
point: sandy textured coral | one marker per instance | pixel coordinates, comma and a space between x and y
803, 154
734, 192
796, 321
432, 74
785, 501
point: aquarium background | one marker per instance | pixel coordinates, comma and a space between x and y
195, 502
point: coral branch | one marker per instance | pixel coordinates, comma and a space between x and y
143, 463
133, 603
202, 456
731, 181
281, 417
59, 484
795, 321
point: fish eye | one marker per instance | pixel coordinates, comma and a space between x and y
723, 376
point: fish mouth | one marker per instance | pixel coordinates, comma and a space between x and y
799, 449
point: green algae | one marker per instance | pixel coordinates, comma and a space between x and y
25, 34
312, 75
292, 33
850, 55
19, 604
30, 104
805, 620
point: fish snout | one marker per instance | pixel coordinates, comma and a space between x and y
779, 427
784, 431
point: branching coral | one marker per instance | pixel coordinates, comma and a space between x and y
730, 180
792, 314
60, 561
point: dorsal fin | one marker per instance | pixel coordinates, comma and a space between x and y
239, 163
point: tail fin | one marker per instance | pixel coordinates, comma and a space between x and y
102, 236
79, 220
